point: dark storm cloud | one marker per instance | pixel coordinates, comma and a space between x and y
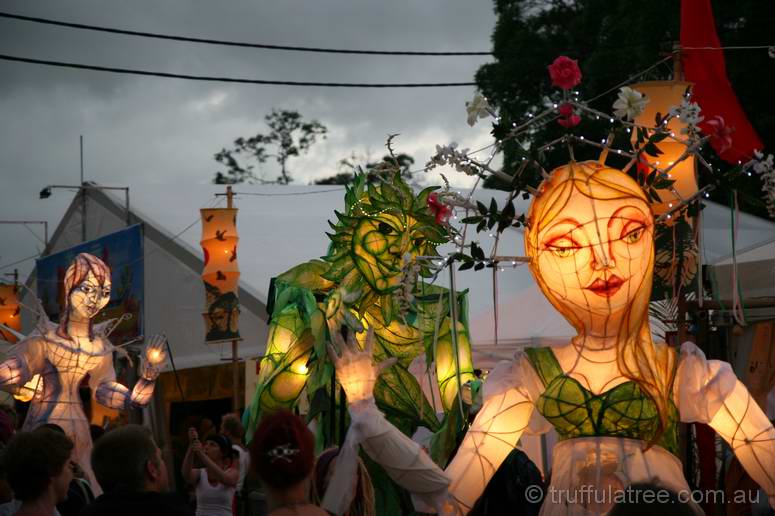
165, 131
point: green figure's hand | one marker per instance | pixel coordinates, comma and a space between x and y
338, 310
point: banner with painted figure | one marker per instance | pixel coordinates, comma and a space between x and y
123, 252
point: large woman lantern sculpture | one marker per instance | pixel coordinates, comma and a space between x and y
613, 394
63, 354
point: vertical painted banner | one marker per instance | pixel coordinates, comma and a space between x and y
123, 252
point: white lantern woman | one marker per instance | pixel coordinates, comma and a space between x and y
613, 395
62, 355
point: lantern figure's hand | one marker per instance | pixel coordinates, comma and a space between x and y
155, 354
338, 310
354, 369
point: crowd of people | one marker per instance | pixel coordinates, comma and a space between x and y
39, 477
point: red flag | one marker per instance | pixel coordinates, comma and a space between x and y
712, 90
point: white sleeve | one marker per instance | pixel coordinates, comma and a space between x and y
701, 385
507, 411
403, 460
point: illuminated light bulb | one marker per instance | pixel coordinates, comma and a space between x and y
629, 130
657, 162
707, 195
302, 369
582, 137
555, 105
618, 151
669, 216
670, 205
611, 120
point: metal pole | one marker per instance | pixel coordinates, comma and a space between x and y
126, 196
83, 199
81, 159
234, 343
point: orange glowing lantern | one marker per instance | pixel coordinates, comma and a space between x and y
221, 274
663, 95
10, 314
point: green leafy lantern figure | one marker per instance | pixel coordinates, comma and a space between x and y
362, 282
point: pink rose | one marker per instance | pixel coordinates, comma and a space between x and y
571, 121
565, 72
565, 110
441, 211
567, 118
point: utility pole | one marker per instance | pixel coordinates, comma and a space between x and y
235, 343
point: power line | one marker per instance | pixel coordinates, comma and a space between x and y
292, 194
110, 30
79, 66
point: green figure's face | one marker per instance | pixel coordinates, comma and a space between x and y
379, 245
384, 228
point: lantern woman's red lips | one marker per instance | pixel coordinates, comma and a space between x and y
606, 287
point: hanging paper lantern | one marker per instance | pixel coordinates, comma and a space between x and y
221, 274
664, 95
10, 314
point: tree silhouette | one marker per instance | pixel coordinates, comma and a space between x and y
289, 135
614, 39
374, 170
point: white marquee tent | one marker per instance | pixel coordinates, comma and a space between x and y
281, 226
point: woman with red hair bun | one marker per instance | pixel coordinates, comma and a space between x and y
283, 454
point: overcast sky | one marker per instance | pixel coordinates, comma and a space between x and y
164, 131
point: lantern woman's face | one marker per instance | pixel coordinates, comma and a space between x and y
595, 256
88, 298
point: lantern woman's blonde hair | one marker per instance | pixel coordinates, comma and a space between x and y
76, 274
650, 365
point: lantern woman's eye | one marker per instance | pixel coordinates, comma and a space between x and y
633, 234
563, 247
419, 242
384, 228
86, 289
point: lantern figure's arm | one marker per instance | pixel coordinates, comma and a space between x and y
447, 367
742, 423
506, 413
403, 459
25, 359
493, 435
116, 396
284, 370
13, 374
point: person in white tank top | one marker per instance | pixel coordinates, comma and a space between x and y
216, 483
